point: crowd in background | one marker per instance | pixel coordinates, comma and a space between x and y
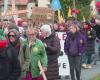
32, 44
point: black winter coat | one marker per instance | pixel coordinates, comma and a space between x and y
52, 49
90, 33
97, 30
9, 64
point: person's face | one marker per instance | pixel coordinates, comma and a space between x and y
97, 21
12, 37
85, 26
72, 29
44, 34
31, 35
62, 28
55, 27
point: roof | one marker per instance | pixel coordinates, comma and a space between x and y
19, 2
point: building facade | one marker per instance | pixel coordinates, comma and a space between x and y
24, 4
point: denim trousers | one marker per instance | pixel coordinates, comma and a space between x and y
86, 58
96, 55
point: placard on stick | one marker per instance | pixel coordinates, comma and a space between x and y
42, 15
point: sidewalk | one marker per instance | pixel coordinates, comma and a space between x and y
88, 74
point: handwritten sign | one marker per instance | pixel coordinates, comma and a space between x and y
9, 13
41, 14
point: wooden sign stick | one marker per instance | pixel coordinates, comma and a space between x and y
42, 71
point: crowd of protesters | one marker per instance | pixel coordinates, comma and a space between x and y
24, 46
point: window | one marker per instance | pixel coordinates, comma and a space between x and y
34, 1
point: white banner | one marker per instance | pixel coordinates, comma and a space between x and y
64, 69
5, 5
63, 62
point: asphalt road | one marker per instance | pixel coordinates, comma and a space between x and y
89, 74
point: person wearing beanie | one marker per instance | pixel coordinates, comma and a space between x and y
8, 59
52, 46
15, 38
74, 47
21, 48
10, 26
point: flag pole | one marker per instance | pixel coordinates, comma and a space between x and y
13, 9
74, 7
13, 5
5, 6
42, 71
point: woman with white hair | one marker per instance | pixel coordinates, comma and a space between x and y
52, 46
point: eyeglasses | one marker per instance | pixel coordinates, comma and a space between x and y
11, 36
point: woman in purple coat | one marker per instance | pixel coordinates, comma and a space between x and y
74, 46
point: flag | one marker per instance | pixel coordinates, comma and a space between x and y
64, 0
60, 18
58, 14
69, 12
55, 5
84, 19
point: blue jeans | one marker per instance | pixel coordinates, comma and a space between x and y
95, 56
84, 58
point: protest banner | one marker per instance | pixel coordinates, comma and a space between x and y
64, 69
42, 15
15, 12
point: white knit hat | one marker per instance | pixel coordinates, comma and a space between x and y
46, 28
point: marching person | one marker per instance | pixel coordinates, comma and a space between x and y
74, 47
90, 35
21, 48
52, 46
9, 63
96, 26
37, 53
